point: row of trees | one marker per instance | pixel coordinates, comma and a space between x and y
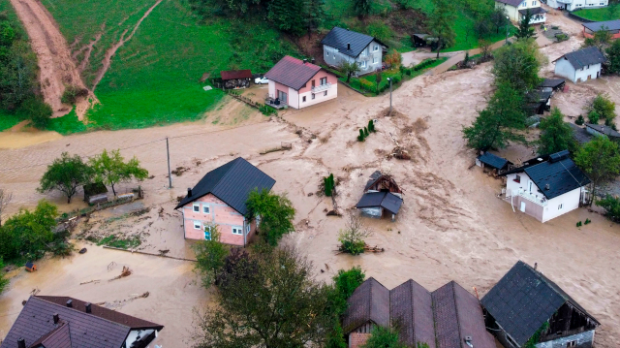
67, 173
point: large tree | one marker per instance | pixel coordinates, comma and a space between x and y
267, 300
210, 254
66, 174
556, 134
274, 214
348, 68
111, 169
289, 16
28, 232
440, 23
499, 122
600, 160
363, 7
604, 107
525, 31
613, 55
518, 65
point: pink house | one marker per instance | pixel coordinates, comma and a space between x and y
220, 197
299, 84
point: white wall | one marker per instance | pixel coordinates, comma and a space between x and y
293, 98
272, 89
332, 93
513, 12
133, 334
569, 202
579, 4
564, 68
583, 73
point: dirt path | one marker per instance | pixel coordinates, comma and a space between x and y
57, 68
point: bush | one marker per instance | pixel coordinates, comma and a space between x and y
604, 107
424, 65
71, 94
612, 206
37, 111
380, 30
347, 281
62, 248
267, 110
366, 132
593, 117
361, 137
352, 237
28, 232
366, 85
371, 126
580, 121
329, 185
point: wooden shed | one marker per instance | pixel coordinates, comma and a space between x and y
236, 78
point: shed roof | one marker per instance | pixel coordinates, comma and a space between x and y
553, 83
385, 200
584, 57
493, 160
232, 183
370, 302
580, 134
340, 39
524, 299
236, 74
513, 3
292, 72
609, 25
608, 131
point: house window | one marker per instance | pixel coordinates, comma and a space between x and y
303, 99
518, 178
571, 344
197, 207
524, 4
376, 47
313, 96
374, 60
363, 64
560, 207
247, 228
323, 81
325, 93
197, 225
237, 230
205, 209
207, 234
534, 3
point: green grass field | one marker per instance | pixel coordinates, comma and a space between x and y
599, 14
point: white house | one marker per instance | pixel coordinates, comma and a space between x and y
579, 66
572, 5
346, 45
546, 187
516, 10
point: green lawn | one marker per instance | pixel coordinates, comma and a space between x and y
599, 14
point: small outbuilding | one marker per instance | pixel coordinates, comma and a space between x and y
554, 84
613, 27
487, 160
236, 78
598, 130
380, 194
580, 134
580, 66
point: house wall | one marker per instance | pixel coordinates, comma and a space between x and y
582, 340
569, 202
579, 4
221, 214
375, 213
565, 69
513, 12
369, 59
319, 97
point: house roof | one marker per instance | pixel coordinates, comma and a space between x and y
292, 72
533, 11
75, 328
608, 131
369, 302
580, 134
553, 83
493, 160
340, 39
556, 177
609, 25
524, 299
385, 200
584, 57
457, 315
513, 3
411, 306
232, 183
236, 74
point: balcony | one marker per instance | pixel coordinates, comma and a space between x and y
540, 200
321, 88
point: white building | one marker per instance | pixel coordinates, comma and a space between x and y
572, 5
579, 66
546, 187
346, 45
516, 10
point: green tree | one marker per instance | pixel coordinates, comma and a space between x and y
28, 232
111, 169
600, 160
517, 65
329, 184
348, 68
383, 337
378, 78
269, 300
499, 19
440, 23
556, 134
37, 111
3, 281
612, 207
315, 14
525, 31
275, 213
286, 16
66, 174
601, 38
19, 72
613, 55
593, 117
210, 254
603, 106
363, 7
7, 33
496, 125
347, 281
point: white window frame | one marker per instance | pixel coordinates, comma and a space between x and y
208, 209
363, 64
237, 228
376, 47
325, 93
196, 208
560, 206
248, 227
374, 60
534, 3
323, 81
197, 225
313, 95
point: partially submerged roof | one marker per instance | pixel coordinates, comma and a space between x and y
370, 302
513, 3
608, 131
524, 299
493, 160
75, 327
236, 74
553, 83
607, 25
292, 72
347, 41
232, 183
385, 200
584, 57
580, 134
382, 182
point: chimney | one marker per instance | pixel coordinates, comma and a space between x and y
547, 187
189, 192
349, 46
56, 318
21, 343
312, 60
535, 265
305, 61
89, 308
70, 303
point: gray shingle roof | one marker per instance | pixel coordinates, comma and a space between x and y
553, 83
292, 72
561, 175
385, 200
493, 160
609, 25
232, 183
604, 130
580, 134
523, 300
513, 3
584, 57
340, 39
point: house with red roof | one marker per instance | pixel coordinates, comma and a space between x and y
298, 84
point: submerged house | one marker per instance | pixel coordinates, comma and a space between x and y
346, 45
64, 322
449, 317
219, 198
579, 66
546, 187
381, 195
525, 304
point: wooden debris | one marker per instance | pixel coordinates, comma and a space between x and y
91, 281
374, 249
125, 273
400, 153
83, 251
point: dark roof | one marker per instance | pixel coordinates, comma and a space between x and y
524, 299
553, 83
232, 183
604, 130
493, 160
533, 11
609, 25
80, 329
292, 72
584, 57
561, 176
340, 38
385, 200
370, 302
411, 306
457, 315
513, 3
236, 74
373, 179
580, 134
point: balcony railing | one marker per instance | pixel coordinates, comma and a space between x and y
321, 88
530, 197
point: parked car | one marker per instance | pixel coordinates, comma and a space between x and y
261, 80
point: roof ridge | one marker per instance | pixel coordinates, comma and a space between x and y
456, 310
79, 311
415, 339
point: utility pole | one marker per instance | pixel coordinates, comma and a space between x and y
390, 79
169, 172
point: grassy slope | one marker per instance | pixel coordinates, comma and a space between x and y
598, 14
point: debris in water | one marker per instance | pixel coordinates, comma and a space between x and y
125, 273
83, 251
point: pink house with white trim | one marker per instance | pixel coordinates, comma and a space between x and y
219, 198
300, 84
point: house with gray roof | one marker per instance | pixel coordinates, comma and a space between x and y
546, 187
381, 195
517, 9
525, 305
346, 45
580, 66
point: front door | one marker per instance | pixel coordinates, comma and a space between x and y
282, 96
523, 207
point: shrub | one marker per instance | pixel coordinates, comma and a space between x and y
267, 110
347, 281
366, 132
366, 85
371, 126
352, 237
361, 137
37, 111
579, 224
612, 206
603, 106
61, 248
71, 94
587, 221
380, 30
211, 255
329, 185
580, 121
593, 117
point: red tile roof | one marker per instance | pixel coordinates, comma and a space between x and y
292, 72
236, 74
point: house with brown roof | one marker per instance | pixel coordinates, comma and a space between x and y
449, 317
298, 84
65, 322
